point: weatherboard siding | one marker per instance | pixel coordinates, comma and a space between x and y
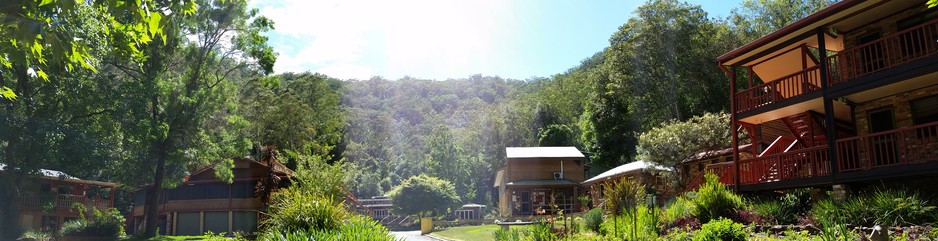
544, 169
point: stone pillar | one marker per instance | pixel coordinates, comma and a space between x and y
840, 192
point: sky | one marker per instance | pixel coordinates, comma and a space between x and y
443, 39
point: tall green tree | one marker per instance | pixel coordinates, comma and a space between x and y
181, 87
36, 33
675, 141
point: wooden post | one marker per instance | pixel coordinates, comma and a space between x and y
828, 108
733, 123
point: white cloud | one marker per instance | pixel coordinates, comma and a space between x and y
359, 38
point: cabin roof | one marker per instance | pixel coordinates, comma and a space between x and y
635, 166
788, 32
715, 153
59, 175
544, 152
542, 182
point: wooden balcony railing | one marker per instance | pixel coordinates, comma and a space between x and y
908, 145
797, 164
887, 52
32, 200
789, 86
884, 53
724, 171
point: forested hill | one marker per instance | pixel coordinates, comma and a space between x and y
400, 128
659, 66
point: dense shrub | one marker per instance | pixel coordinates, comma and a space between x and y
681, 207
542, 231
786, 209
887, 207
423, 194
95, 223
721, 230
295, 210
297, 215
356, 228
714, 200
593, 219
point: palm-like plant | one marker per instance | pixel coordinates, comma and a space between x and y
621, 197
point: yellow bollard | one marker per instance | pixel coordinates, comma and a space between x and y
426, 225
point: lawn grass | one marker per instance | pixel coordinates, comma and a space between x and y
470, 233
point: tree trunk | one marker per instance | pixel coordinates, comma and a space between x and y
9, 192
151, 208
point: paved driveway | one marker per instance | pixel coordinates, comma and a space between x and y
413, 236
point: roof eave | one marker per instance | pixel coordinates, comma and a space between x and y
804, 22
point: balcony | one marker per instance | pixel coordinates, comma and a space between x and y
911, 145
33, 200
884, 53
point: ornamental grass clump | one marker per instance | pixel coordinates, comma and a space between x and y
298, 215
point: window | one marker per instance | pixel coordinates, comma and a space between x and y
881, 120
244, 221
50, 223
187, 223
242, 189
924, 110
915, 42
871, 55
217, 222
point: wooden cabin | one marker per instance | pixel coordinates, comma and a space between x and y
203, 202
536, 179
847, 95
644, 173
48, 201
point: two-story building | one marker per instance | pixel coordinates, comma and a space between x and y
847, 95
49, 203
203, 202
540, 180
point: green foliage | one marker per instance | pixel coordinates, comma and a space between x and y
833, 221
299, 210
887, 207
508, 235
96, 223
721, 230
622, 195
422, 194
932, 3
675, 141
354, 228
593, 219
37, 236
556, 135
541, 231
313, 175
681, 206
784, 210
640, 226
714, 200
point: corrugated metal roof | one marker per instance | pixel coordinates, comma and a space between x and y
626, 168
544, 152
543, 182
47, 173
